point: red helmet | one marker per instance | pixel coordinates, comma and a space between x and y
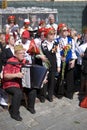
26, 34
11, 17
60, 26
26, 21
50, 30
43, 29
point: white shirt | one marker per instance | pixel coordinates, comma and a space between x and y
54, 25
64, 42
81, 49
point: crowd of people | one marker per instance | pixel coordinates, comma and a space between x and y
58, 48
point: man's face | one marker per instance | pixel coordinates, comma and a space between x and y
24, 40
51, 20
26, 25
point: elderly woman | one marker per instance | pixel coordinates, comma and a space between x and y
12, 81
50, 51
68, 58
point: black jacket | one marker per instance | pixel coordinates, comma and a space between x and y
84, 62
6, 54
1, 50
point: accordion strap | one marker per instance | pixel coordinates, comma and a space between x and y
13, 63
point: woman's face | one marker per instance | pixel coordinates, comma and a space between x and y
51, 36
42, 36
20, 55
12, 23
64, 32
2, 38
11, 40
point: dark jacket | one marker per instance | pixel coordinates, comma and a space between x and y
6, 54
84, 62
1, 50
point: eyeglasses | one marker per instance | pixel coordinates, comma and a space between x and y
11, 21
21, 53
65, 30
51, 33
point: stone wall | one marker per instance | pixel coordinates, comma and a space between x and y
73, 13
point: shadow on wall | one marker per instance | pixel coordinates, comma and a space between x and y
84, 17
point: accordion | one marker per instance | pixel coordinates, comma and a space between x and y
33, 76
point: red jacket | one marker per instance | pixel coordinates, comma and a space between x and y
12, 66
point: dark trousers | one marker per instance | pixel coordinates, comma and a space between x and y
66, 86
31, 96
42, 92
48, 87
77, 73
70, 81
51, 84
83, 86
16, 99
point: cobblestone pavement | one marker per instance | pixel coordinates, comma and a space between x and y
61, 114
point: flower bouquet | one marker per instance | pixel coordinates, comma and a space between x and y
66, 54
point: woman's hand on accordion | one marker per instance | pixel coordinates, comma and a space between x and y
19, 75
